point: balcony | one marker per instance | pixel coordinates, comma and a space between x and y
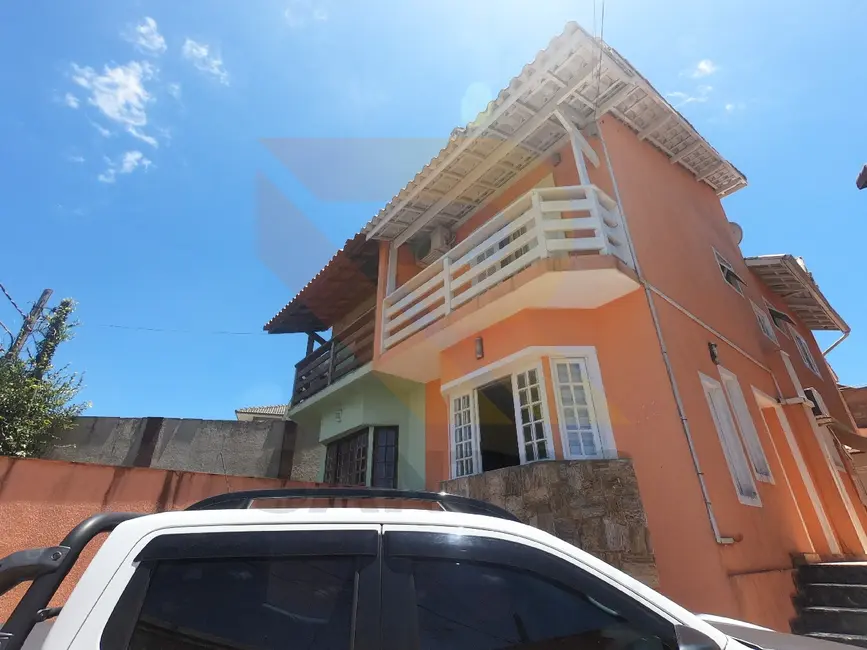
347, 350
556, 248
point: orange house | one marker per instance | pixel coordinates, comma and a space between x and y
561, 284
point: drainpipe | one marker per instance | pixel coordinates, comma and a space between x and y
836, 343
681, 412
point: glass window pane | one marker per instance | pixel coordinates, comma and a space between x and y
531, 374
534, 393
566, 396
537, 412
528, 433
522, 381
249, 603
525, 415
563, 373
541, 450
521, 610
575, 370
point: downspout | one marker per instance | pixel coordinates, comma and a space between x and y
681, 412
837, 342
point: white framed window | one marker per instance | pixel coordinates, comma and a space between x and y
579, 426
764, 322
735, 281
464, 435
528, 391
804, 350
780, 319
747, 427
730, 441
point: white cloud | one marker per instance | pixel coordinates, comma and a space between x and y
731, 107
104, 132
700, 96
75, 159
703, 68
146, 37
127, 164
300, 12
140, 135
118, 92
71, 100
199, 54
174, 89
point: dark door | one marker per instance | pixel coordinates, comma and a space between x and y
461, 592
252, 590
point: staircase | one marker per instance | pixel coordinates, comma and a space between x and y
831, 602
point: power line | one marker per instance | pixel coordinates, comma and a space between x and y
136, 328
14, 304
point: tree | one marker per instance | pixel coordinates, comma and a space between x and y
36, 400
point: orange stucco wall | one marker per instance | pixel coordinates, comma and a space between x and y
42, 500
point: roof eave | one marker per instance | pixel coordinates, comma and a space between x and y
805, 280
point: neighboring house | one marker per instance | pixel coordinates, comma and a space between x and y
558, 302
250, 413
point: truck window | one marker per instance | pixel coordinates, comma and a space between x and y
245, 603
510, 596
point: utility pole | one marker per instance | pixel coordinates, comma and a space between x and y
28, 325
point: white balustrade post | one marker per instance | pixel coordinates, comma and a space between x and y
539, 224
447, 283
596, 213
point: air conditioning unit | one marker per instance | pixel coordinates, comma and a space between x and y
432, 246
820, 410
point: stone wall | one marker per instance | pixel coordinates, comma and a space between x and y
252, 448
592, 504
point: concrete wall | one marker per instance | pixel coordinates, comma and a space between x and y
592, 504
46, 499
253, 448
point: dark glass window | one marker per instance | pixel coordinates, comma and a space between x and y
257, 603
346, 460
384, 457
468, 606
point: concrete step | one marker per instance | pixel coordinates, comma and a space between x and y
831, 595
836, 620
848, 639
839, 573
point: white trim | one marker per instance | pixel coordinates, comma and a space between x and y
835, 475
722, 261
546, 419
768, 307
732, 446
500, 367
599, 415
793, 376
830, 537
766, 402
804, 351
745, 424
474, 433
765, 321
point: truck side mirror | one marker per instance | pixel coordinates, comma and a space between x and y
689, 638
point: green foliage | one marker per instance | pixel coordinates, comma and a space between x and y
37, 401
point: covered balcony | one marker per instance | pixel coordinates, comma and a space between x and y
554, 247
340, 301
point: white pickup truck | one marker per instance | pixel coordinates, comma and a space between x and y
252, 571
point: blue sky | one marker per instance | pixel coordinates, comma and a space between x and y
132, 139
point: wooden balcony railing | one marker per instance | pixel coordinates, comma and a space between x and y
576, 220
347, 350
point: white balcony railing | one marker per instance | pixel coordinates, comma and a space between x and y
554, 221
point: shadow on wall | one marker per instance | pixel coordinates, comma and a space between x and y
46, 499
238, 448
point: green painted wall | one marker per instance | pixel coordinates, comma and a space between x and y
374, 399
